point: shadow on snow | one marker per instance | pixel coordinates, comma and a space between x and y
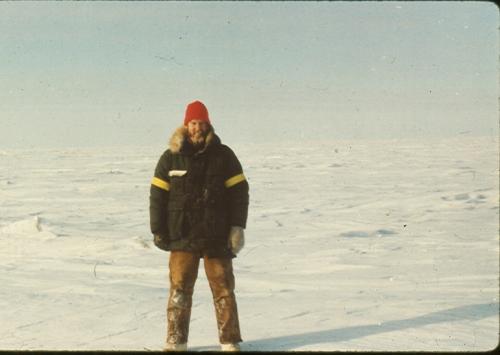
289, 342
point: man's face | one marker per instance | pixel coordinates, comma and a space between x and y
197, 131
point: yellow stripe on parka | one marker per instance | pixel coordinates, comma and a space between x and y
160, 183
234, 180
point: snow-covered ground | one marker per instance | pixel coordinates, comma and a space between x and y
351, 245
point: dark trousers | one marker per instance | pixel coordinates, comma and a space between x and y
183, 273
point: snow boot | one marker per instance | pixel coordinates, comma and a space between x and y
175, 347
230, 347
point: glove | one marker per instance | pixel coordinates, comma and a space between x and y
160, 242
236, 239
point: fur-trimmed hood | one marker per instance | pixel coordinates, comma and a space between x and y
180, 135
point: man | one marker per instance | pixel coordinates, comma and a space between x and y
198, 209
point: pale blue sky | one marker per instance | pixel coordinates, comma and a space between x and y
111, 73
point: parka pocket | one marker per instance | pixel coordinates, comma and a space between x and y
222, 224
175, 214
217, 223
177, 184
215, 189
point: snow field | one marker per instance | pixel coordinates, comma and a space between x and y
351, 245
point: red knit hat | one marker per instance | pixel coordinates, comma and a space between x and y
196, 111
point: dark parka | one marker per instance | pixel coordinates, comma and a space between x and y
196, 196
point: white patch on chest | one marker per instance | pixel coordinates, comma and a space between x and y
177, 172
